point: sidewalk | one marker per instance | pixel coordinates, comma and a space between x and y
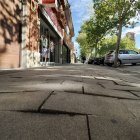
69, 102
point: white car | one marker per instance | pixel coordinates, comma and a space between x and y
124, 57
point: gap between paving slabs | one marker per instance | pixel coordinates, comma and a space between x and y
103, 83
103, 95
56, 112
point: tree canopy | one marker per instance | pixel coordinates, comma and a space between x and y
109, 18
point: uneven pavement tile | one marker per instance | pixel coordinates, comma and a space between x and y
52, 86
40, 86
33, 126
122, 83
72, 86
133, 107
22, 100
100, 91
119, 87
113, 128
84, 104
136, 93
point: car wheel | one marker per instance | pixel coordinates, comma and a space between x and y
133, 64
118, 63
109, 64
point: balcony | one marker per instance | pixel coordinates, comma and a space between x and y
68, 41
61, 16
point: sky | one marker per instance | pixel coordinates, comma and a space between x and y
82, 10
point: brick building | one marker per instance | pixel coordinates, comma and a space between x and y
30, 27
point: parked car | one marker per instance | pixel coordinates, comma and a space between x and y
99, 61
124, 57
90, 61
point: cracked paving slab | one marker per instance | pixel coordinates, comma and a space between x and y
22, 100
33, 126
84, 104
113, 128
101, 91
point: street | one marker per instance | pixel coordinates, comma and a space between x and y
70, 102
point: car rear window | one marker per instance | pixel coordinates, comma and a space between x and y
132, 52
121, 52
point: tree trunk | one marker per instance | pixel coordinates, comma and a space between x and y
118, 42
96, 50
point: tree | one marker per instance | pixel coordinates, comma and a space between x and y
115, 14
109, 44
91, 34
82, 40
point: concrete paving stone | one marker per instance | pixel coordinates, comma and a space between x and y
22, 100
130, 79
122, 83
105, 78
136, 93
98, 90
40, 86
84, 104
33, 126
109, 82
133, 107
112, 128
90, 81
119, 87
72, 86
67, 85
64, 76
69, 71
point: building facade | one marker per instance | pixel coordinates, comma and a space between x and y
35, 32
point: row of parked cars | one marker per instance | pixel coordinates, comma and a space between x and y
97, 61
124, 57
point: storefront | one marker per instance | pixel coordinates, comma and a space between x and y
32, 33
50, 37
65, 54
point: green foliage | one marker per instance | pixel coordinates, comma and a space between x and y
127, 43
109, 18
115, 14
109, 44
82, 40
106, 45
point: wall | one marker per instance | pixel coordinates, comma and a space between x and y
9, 33
30, 36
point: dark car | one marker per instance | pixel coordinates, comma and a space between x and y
99, 61
90, 61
